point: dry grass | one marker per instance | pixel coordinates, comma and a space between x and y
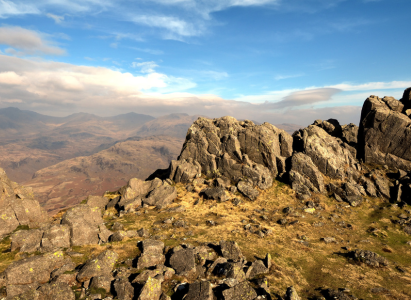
300, 257
315, 265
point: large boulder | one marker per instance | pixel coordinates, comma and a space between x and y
31, 272
56, 291
102, 265
161, 196
26, 240
152, 254
183, 261
200, 290
152, 192
84, 223
55, 237
18, 207
385, 133
241, 291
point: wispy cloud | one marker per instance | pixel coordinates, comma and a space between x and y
149, 51
27, 42
146, 67
306, 97
282, 77
57, 19
171, 24
12, 8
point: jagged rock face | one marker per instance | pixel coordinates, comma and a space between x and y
233, 149
304, 176
327, 153
17, 207
385, 132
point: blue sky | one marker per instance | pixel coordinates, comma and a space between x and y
268, 60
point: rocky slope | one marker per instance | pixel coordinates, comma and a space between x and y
245, 212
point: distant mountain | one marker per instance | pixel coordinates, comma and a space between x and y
288, 127
68, 182
175, 125
30, 141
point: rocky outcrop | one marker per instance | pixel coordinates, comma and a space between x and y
18, 207
385, 132
234, 150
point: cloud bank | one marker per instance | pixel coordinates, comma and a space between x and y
62, 88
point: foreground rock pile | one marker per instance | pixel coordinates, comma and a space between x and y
207, 272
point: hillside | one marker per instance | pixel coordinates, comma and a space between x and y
67, 183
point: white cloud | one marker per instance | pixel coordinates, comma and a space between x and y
172, 24
27, 42
57, 19
146, 67
11, 8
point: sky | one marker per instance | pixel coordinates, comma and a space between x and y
280, 61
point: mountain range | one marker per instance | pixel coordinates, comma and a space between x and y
66, 158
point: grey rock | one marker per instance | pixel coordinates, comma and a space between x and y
200, 290
26, 240
214, 193
97, 202
55, 237
235, 271
137, 188
124, 290
151, 290
161, 196
369, 258
143, 232
326, 152
183, 261
304, 175
102, 265
84, 224
27, 273
241, 291
117, 226
184, 171
247, 190
256, 268
233, 149
384, 134
231, 251
291, 294
56, 291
